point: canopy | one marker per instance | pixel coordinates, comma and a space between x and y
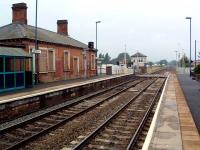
14, 52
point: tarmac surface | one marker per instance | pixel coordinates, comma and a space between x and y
191, 90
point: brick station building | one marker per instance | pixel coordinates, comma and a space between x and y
61, 57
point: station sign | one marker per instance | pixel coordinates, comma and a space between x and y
36, 51
99, 61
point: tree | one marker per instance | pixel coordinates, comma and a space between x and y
114, 61
199, 55
120, 57
184, 61
101, 55
163, 62
172, 63
106, 59
197, 69
150, 63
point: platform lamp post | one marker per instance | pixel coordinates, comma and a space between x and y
36, 46
190, 18
176, 59
85, 63
96, 40
195, 54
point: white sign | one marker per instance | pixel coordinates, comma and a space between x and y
98, 61
36, 51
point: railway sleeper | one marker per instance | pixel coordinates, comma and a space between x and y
102, 147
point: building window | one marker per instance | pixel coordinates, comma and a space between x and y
92, 61
66, 60
51, 60
43, 61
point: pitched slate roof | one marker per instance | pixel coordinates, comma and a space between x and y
18, 31
138, 54
10, 51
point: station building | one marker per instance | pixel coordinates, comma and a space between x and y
139, 61
60, 57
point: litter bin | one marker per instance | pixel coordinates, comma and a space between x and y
28, 79
109, 70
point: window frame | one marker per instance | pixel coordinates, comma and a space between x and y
54, 61
78, 59
93, 63
68, 69
44, 49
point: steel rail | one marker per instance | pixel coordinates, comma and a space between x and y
65, 106
34, 136
94, 133
133, 141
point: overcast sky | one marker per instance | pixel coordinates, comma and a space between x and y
154, 27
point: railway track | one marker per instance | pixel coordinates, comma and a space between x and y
122, 129
19, 134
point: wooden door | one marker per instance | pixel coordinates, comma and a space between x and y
75, 67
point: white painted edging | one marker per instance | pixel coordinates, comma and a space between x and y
153, 123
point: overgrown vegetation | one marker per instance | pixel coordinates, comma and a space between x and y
197, 69
184, 61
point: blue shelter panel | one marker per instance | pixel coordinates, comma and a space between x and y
1, 81
1, 64
20, 79
10, 80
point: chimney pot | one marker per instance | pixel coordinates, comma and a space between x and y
62, 27
19, 13
91, 45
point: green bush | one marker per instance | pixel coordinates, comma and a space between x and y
197, 69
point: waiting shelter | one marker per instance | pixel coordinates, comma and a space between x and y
14, 72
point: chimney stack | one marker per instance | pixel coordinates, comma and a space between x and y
91, 45
19, 11
62, 27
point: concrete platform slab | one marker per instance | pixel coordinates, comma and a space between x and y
173, 127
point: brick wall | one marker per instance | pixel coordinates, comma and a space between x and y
60, 73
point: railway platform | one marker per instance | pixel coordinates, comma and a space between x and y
173, 127
47, 87
22, 102
191, 90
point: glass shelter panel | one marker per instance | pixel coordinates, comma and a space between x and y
19, 65
20, 79
9, 64
1, 81
1, 64
9, 81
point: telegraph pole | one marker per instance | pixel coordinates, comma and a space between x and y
125, 56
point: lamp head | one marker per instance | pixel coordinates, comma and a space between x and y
188, 17
98, 22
